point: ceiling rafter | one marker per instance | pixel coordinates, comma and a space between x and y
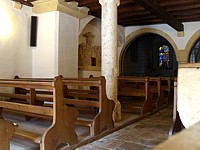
24, 2
146, 12
161, 13
146, 22
133, 14
186, 12
177, 2
144, 18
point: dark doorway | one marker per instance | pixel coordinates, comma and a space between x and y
149, 55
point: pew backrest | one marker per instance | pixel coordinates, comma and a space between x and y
79, 94
155, 88
62, 129
136, 87
166, 89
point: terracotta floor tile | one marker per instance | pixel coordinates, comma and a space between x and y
130, 146
152, 143
142, 135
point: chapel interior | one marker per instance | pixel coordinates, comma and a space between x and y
99, 74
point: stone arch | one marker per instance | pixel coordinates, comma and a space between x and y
84, 22
139, 32
191, 43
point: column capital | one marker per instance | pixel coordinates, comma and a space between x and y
102, 2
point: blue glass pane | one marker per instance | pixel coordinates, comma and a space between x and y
164, 57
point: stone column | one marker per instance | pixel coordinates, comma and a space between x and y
109, 67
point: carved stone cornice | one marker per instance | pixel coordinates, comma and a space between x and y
70, 8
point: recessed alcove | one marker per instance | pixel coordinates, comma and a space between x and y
141, 57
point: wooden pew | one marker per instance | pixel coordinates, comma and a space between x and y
155, 88
93, 101
6, 132
134, 94
79, 94
166, 89
62, 129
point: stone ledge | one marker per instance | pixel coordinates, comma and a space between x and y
70, 8
89, 68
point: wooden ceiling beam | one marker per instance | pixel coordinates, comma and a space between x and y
177, 2
88, 2
184, 8
23, 2
142, 19
71, 0
186, 12
132, 14
138, 23
125, 2
191, 17
154, 8
129, 8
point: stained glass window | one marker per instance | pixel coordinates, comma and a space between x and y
164, 58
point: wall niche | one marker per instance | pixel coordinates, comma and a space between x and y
89, 56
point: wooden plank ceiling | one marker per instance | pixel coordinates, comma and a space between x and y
146, 12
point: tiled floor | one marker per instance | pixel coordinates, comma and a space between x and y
143, 135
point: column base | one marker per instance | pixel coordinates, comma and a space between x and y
117, 111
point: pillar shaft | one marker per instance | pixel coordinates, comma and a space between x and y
109, 65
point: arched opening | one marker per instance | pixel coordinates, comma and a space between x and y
89, 51
194, 55
149, 55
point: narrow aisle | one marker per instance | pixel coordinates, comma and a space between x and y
143, 135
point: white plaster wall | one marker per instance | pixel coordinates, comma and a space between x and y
121, 36
44, 54
68, 45
15, 52
189, 29
121, 42
56, 52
